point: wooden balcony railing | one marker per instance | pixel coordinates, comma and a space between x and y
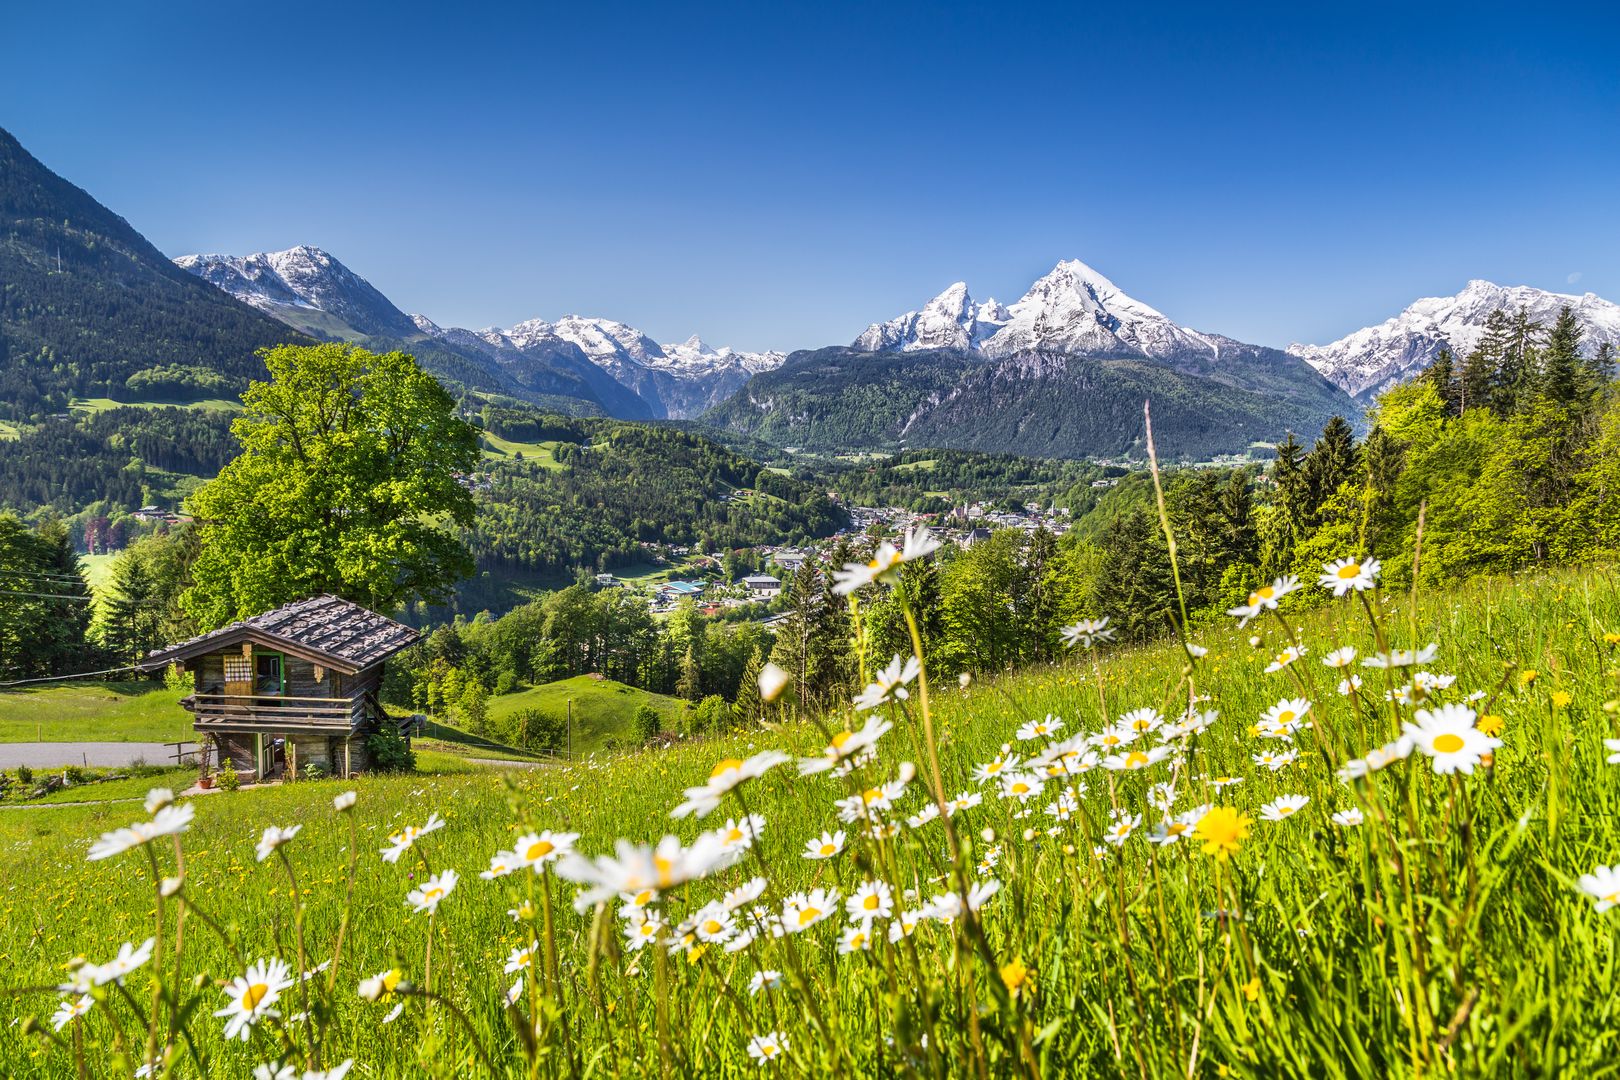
276, 710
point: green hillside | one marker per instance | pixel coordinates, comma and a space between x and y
1039, 404
602, 709
1288, 955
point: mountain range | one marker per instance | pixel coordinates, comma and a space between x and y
1369, 361
92, 310
312, 291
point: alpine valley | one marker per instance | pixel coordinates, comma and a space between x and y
92, 312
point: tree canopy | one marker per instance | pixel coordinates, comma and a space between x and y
350, 481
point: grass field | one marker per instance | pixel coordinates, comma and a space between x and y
1446, 934
102, 404
8, 430
603, 709
540, 453
93, 711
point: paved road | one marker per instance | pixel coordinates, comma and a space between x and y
44, 755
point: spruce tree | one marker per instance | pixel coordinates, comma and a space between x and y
1561, 372
1482, 369
131, 617
1442, 376
1330, 463
748, 707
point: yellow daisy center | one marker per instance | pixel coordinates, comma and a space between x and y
769, 1049
1349, 570
712, 926
665, 869
725, 765
871, 795
828, 849
1136, 759
870, 903
391, 979
1448, 743
808, 915
539, 850
432, 893
253, 995
840, 739
1263, 593
1286, 716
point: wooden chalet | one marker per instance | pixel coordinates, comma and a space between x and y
291, 687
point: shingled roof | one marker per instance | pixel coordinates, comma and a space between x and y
326, 629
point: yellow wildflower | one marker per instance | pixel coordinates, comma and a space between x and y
1014, 975
1222, 829
1490, 724
1561, 699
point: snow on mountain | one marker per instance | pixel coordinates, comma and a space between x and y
301, 285
1073, 309
1373, 359
309, 289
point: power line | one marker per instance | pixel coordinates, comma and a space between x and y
76, 578
45, 596
65, 678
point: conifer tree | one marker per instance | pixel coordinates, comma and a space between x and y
1442, 376
1482, 370
132, 619
1561, 372
748, 707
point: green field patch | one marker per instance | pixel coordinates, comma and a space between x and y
103, 404
93, 711
603, 709
540, 453
925, 465
9, 431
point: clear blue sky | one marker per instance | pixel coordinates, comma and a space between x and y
779, 175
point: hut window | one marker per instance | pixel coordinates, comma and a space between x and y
238, 669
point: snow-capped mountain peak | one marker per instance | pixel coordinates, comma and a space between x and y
305, 287
1370, 360
1071, 309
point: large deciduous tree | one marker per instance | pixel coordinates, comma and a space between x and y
350, 481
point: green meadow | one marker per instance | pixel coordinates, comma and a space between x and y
603, 709
1446, 934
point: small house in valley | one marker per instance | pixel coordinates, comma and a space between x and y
291, 688
762, 586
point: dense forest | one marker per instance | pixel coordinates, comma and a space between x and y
609, 487
931, 481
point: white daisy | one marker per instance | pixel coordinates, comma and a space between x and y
1340, 658
1264, 599
1040, 729
400, 842
766, 1048
1448, 736
432, 893
251, 996
1284, 658
274, 836
1603, 885
1087, 632
871, 900
1348, 819
765, 979
803, 910
889, 684
857, 938
1346, 575
70, 1010
726, 775
846, 745
1283, 807
824, 846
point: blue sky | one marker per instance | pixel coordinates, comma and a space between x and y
779, 175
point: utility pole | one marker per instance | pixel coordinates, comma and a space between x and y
570, 729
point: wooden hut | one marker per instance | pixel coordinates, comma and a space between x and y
292, 687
